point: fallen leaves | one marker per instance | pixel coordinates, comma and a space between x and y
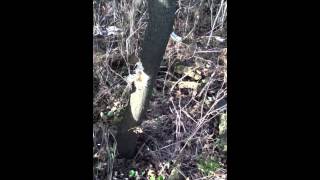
188, 85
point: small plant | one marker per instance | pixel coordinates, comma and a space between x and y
208, 166
160, 178
133, 173
151, 175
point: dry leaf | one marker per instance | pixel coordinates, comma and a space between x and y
188, 85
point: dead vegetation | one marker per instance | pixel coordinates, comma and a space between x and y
184, 134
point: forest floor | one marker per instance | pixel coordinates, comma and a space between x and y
184, 132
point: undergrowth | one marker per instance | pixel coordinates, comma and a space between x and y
184, 132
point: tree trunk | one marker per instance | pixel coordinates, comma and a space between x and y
161, 18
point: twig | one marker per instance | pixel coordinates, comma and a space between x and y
214, 23
224, 12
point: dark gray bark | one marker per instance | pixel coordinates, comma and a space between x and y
161, 19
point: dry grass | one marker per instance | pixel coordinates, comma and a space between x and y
182, 122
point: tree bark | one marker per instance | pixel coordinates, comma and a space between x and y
161, 19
